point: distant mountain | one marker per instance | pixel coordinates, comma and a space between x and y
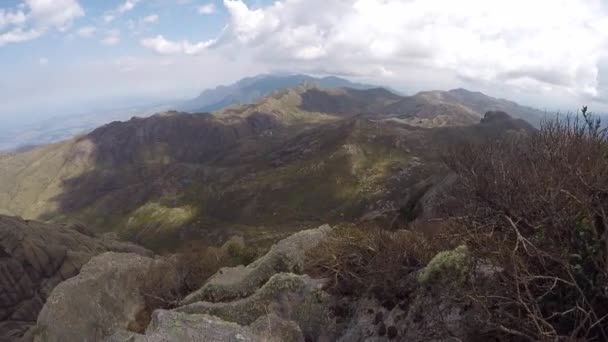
298, 157
251, 89
483, 103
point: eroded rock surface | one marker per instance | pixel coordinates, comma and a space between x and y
177, 326
237, 282
103, 298
34, 258
292, 297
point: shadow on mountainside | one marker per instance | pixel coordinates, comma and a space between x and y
173, 177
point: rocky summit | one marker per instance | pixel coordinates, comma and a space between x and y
269, 300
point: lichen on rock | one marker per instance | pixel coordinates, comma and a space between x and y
292, 297
237, 282
452, 264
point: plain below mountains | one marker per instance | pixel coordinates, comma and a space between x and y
301, 156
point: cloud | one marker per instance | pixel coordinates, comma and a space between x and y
43, 61
59, 14
33, 18
18, 35
123, 8
150, 19
166, 47
86, 31
112, 37
8, 18
206, 9
548, 44
127, 6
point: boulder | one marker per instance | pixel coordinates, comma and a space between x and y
178, 326
103, 298
288, 255
34, 258
292, 297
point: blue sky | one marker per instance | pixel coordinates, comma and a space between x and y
75, 63
69, 55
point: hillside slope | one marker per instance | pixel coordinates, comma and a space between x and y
296, 158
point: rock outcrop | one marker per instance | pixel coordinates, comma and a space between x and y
237, 282
292, 297
34, 258
269, 302
177, 326
103, 298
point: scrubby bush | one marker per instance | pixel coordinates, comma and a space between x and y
363, 260
536, 207
173, 277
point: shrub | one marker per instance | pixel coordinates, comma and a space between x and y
359, 260
536, 207
173, 277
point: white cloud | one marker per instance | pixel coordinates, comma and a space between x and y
43, 61
33, 18
167, 47
150, 19
112, 37
86, 31
545, 44
8, 18
123, 8
18, 35
59, 14
127, 6
206, 9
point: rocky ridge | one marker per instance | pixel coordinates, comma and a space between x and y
270, 300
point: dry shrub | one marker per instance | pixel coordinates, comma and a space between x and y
536, 206
173, 277
361, 260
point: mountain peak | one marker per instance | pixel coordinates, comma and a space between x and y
252, 89
463, 91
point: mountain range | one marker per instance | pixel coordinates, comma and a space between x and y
251, 89
301, 156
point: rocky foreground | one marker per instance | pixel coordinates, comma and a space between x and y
268, 300
34, 259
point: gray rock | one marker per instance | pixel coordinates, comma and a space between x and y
103, 298
34, 258
431, 312
292, 297
176, 326
238, 282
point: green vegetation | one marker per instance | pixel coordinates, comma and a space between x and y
452, 264
294, 160
159, 217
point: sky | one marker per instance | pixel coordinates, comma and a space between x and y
68, 55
